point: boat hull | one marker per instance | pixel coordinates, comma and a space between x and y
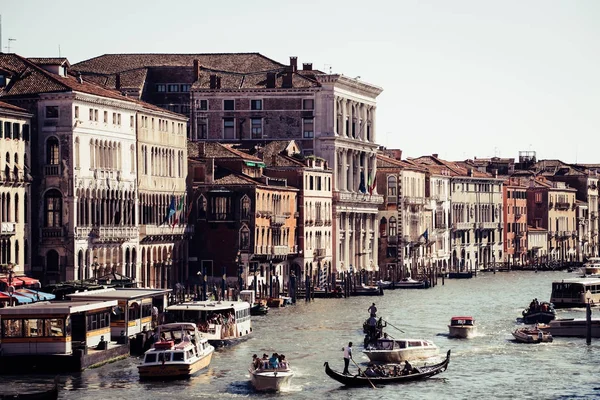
174, 370
572, 328
270, 381
538, 318
531, 336
461, 332
399, 355
460, 275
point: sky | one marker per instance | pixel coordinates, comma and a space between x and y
462, 79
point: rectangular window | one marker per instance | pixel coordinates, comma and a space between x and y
7, 131
173, 87
229, 105
203, 128
228, 128
76, 111
114, 118
308, 104
161, 87
105, 117
186, 87
256, 105
131, 119
16, 134
119, 119
307, 127
256, 128
25, 132
96, 115
91, 114
203, 105
51, 111
538, 197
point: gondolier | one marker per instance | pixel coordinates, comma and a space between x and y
347, 357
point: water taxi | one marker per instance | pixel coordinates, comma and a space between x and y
461, 327
221, 322
410, 283
532, 335
575, 292
386, 350
180, 352
592, 266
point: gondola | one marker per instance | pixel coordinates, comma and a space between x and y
418, 374
49, 394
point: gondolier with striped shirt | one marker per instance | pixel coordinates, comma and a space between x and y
347, 357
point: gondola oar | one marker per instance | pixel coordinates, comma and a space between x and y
387, 322
359, 371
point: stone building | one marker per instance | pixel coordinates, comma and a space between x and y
85, 213
15, 213
515, 222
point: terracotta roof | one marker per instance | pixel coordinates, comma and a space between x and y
7, 106
49, 61
276, 148
30, 79
236, 62
133, 79
389, 162
251, 80
217, 150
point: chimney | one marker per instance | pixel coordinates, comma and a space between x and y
294, 63
118, 82
307, 66
274, 160
469, 171
397, 154
218, 82
213, 82
271, 80
210, 170
435, 155
287, 80
495, 172
79, 78
196, 71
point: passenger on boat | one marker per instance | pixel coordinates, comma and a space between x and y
283, 362
274, 361
187, 337
256, 362
407, 368
265, 361
370, 371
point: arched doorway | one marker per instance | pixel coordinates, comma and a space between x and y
53, 273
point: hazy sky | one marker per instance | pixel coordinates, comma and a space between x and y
460, 78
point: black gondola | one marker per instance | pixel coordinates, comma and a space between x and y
418, 373
49, 394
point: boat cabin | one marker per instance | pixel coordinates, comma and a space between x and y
54, 327
138, 303
462, 321
575, 292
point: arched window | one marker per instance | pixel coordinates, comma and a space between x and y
392, 227
53, 209
383, 227
202, 204
245, 208
391, 189
52, 151
244, 238
25, 213
132, 159
16, 208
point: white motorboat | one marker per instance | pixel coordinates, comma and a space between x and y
592, 266
410, 283
270, 380
461, 327
386, 350
180, 353
532, 335
572, 327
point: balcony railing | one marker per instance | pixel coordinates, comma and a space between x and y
562, 205
488, 225
414, 200
357, 197
53, 232
115, 233
277, 220
319, 222
280, 250
462, 226
7, 228
441, 227
152, 230
319, 252
52, 170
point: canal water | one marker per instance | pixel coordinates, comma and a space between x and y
490, 365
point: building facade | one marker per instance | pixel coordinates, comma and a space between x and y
515, 222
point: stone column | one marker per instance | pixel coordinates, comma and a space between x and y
344, 104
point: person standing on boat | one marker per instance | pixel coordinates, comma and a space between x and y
372, 310
347, 357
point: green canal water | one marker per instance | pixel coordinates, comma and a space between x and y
488, 366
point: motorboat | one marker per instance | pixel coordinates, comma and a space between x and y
221, 322
366, 290
461, 327
460, 275
532, 335
414, 374
410, 283
539, 314
385, 284
266, 379
571, 327
180, 353
386, 350
592, 266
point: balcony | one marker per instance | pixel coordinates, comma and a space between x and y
392, 239
280, 250
53, 232
278, 220
562, 205
7, 229
414, 200
440, 227
353, 197
319, 253
319, 222
155, 230
110, 234
462, 226
52, 170
488, 225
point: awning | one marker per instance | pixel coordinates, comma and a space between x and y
27, 281
15, 282
4, 296
19, 297
36, 295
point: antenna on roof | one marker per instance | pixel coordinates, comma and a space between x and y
10, 40
59, 51
328, 66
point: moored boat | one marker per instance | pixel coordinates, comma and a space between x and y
461, 327
180, 353
572, 327
30, 393
386, 350
460, 275
415, 374
532, 335
410, 283
221, 322
365, 290
259, 308
592, 266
